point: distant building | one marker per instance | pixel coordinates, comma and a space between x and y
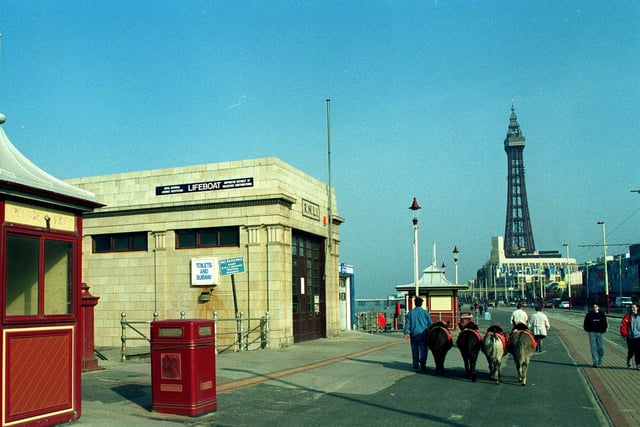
524, 277
624, 276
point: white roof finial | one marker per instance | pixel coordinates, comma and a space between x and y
433, 262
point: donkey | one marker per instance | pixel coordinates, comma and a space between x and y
469, 342
493, 347
439, 342
521, 345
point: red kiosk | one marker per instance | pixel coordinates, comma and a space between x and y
40, 271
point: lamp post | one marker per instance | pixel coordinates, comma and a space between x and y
414, 207
566, 245
587, 265
620, 275
606, 273
455, 261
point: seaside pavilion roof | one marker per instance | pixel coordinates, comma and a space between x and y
20, 178
432, 278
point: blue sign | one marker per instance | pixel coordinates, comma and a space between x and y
232, 266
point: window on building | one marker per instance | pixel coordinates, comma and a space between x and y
207, 237
120, 242
39, 276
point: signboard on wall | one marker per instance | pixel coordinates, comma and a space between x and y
204, 271
224, 184
310, 210
232, 265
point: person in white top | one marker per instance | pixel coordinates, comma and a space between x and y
519, 316
539, 326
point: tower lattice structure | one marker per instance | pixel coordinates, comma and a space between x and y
518, 233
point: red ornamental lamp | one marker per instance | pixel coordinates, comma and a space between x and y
414, 207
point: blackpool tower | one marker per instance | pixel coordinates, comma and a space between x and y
518, 234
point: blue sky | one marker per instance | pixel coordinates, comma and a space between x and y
420, 102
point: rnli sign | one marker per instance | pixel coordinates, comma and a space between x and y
310, 210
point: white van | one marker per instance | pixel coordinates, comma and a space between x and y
623, 301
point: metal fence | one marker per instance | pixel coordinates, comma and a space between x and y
236, 334
371, 322
132, 325
248, 333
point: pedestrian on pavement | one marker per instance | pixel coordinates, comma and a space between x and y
539, 326
630, 330
415, 326
519, 316
595, 323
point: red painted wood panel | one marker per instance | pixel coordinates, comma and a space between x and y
39, 372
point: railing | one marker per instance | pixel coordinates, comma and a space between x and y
139, 335
245, 336
367, 321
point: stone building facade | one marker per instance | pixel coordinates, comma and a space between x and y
143, 252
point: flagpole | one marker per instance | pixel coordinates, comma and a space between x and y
329, 203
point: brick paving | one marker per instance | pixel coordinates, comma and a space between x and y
614, 383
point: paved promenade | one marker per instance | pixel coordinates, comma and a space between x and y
120, 394
614, 383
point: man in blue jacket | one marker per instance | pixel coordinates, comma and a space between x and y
416, 323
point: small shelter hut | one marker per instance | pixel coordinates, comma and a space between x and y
440, 295
40, 302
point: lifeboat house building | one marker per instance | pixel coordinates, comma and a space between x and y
40, 272
214, 241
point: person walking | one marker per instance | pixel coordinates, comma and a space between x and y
595, 323
539, 326
415, 326
630, 330
519, 316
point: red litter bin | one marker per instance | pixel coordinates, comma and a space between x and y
183, 367
465, 318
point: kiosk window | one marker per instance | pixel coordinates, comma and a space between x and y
39, 276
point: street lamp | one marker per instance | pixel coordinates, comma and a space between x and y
455, 261
414, 207
606, 274
566, 245
619, 275
587, 265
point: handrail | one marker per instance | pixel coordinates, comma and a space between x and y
124, 324
245, 334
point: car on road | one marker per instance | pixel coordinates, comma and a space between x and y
623, 302
563, 304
